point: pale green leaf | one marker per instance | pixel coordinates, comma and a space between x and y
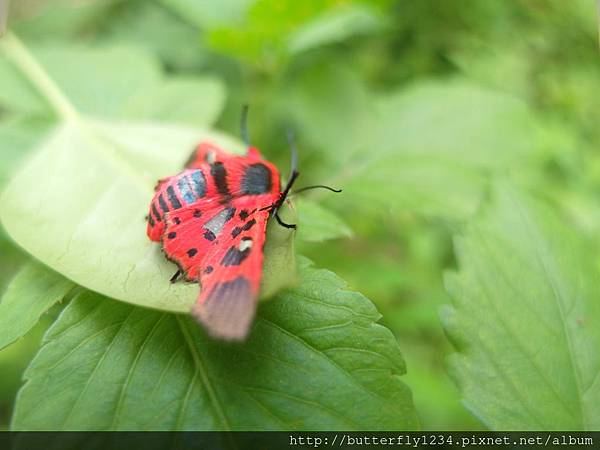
87, 77
332, 107
18, 137
335, 25
139, 89
314, 354
181, 99
97, 180
525, 319
396, 183
16, 94
58, 18
428, 148
262, 36
178, 44
458, 122
209, 13
319, 224
33, 290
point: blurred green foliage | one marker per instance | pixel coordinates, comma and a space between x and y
410, 107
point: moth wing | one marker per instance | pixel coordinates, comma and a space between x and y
230, 279
154, 218
191, 231
172, 193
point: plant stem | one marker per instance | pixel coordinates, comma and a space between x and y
37, 76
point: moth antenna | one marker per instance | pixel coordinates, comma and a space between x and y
316, 186
244, 126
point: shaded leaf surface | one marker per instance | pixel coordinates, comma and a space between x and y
526, 320
319, 224
313, 355
33, 290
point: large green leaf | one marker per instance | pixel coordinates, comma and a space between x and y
315, 353
29, 295
526, 320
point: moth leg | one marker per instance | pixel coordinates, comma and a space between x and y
283, 224
175, 276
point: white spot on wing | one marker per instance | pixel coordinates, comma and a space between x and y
245, 244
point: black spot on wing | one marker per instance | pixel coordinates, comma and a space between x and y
176, 220
256, 180
209, 235
150, 220
219, 174
237, 230
172, 235
156, 213
244, 214
173, 198
163, 205
249, 224
197, 213
192, 252
208, 269
235, 256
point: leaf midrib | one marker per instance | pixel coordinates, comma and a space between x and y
201, 370
131, 370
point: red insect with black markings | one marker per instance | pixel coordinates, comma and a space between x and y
211, 220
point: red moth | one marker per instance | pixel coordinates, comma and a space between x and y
211, 220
